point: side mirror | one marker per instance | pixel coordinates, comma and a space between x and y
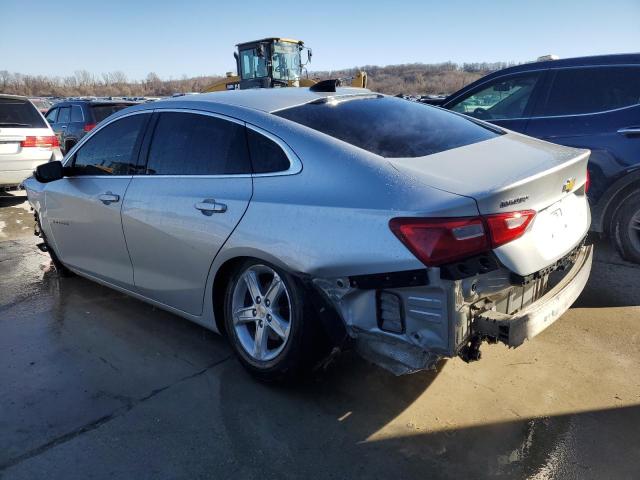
49, 172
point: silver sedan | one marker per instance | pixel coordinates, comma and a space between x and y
302, 221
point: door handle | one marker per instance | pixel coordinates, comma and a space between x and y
209, 206
63, 127
630, 131
108, 198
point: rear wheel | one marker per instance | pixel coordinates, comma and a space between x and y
269, 322
68, 145
626, 225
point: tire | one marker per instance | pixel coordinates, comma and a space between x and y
626, 228
58, 265
291, 339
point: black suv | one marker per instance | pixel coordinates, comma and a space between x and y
72, 119
588, 102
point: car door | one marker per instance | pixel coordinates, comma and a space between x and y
61, 125
75, 128
177, 214
506, 100
596, 108
83, 208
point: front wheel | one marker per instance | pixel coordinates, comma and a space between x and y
626, 224
269, 322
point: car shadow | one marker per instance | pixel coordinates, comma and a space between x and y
613, 282
11, 200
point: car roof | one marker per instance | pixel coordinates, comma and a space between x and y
95, 102
263, 99
17, 97
596, 60
592, 61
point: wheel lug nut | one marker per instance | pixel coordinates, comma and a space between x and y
268, 317
267, 302
258, 300
255, 312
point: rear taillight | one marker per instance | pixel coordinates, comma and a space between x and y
587, 183
505, 227
436, 241
89, 126
47, 141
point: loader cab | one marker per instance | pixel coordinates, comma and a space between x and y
270, 62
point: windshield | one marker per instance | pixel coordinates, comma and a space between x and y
100, 112
286, 61
16, 112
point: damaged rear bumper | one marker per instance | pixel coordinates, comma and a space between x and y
408, 322
514, 329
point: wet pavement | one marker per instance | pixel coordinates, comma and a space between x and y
94, 384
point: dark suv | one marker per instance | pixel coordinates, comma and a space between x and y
589, 102
72, 119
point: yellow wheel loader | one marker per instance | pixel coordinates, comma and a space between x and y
272, 63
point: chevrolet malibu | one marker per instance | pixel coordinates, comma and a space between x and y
296, 220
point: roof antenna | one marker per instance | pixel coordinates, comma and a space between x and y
326, 85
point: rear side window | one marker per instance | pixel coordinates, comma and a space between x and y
590, 90
266, 155
19, 113
111, 150
387, 126
100, 112
193, 144
64, 115
76, 114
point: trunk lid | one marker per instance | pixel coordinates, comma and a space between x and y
510, 173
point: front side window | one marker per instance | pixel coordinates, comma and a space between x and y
64, 115
194, 144
500, 99
112, 150
589, 90
388, 126
252, 65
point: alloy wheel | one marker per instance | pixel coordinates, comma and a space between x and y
261, 312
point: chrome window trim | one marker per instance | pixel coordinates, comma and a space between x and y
295, 165
556, 69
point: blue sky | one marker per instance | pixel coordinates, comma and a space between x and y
197, 37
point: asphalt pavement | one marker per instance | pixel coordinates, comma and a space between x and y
94, 384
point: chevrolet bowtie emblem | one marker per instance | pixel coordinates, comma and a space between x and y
569, 183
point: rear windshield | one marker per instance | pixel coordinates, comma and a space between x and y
18, 113
100, 112
388, 126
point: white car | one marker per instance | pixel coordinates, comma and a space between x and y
26, 140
